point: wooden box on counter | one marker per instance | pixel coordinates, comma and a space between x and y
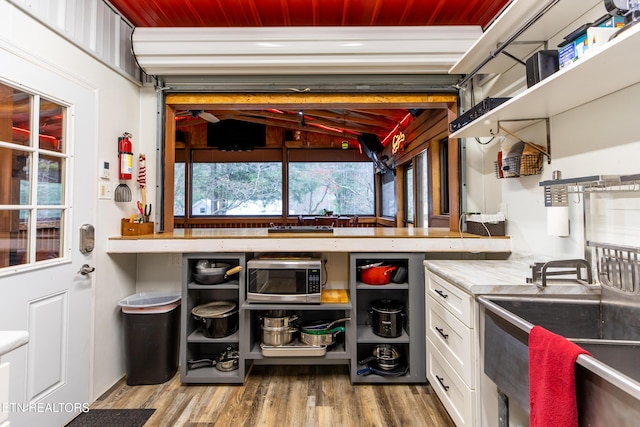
135, 228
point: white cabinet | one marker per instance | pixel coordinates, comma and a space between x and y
452, 348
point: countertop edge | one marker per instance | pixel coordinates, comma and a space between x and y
10, 340
504, 277
306, 243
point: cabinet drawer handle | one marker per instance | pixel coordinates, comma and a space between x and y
441, 332
442, 294
441, 381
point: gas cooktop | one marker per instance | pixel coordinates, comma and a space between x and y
301, 229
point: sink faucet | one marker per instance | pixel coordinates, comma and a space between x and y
540, 271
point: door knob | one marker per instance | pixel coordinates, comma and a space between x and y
86, 269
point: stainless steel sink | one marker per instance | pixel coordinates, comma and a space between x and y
607, 383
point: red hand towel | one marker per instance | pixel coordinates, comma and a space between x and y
552, 382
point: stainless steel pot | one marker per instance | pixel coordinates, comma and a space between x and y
277, 322
277, 337
327, 338
385, 356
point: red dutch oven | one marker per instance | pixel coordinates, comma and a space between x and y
377, 274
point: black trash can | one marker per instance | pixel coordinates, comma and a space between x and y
151, 336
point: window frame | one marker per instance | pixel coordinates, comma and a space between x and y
442, 109
33, 206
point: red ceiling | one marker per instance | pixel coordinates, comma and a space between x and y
282, 13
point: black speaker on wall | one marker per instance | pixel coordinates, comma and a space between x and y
371, 142
541, 65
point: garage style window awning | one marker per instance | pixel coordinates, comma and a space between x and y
301, 50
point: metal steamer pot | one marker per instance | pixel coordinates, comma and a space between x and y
217, 318
385, 361
279, 336
387, 318
277, 320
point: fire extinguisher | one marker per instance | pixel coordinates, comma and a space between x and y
125, 156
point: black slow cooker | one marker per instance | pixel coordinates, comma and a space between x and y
387, 318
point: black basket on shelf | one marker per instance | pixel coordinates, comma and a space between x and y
514, 167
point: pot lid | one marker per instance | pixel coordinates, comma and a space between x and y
387, 306
213, 309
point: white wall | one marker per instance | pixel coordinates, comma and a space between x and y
118, 111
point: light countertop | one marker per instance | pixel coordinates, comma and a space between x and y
347, 239
10, 340
502, 277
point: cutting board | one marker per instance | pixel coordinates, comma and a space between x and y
334, 296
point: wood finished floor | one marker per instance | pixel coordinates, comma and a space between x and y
282, 396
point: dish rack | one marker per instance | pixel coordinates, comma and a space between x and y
618, 267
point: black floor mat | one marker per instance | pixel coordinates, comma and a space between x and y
112, 418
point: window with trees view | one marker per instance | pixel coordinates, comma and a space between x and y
340, 187
255, 188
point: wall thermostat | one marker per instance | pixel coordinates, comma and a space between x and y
104, 169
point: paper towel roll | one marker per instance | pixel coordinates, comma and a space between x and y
558, 221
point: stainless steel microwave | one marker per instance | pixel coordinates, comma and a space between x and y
285, 280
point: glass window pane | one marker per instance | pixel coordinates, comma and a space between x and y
51, 126
14, 240
388, 195
250, 188
346, 188
50, 180
15, 115
178, 189
15, 174
409, 194
49, 224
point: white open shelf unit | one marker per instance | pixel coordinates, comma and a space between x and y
611, 68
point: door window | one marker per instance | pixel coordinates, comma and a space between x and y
33, 169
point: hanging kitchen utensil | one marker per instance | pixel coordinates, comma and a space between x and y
142, 178
122, 193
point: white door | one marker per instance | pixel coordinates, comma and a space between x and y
50, 377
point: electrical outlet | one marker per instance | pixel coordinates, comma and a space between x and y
175, 259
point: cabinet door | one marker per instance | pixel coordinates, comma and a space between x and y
455, 300
453, 339
457, 398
